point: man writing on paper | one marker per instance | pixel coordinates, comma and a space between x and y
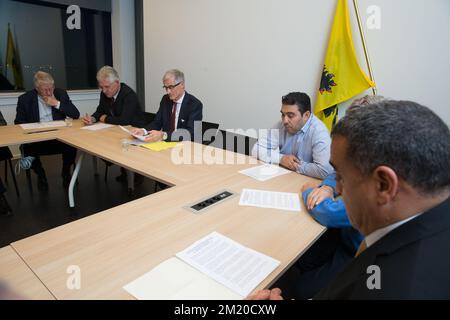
177, 110
119, 105
43, 104
393, 172
300, 142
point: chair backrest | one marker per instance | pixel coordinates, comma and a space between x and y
207, 126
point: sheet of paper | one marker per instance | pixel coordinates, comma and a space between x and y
160, 146
174, 279
269, 199
97, 126
236, 267
141, 138
265, 172
43, 125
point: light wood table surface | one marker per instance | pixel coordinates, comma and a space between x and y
19, 278
116, 246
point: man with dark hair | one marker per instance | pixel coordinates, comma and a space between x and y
43, 104
300, 142
393, 171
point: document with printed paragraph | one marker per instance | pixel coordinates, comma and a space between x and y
269, 199
213, 268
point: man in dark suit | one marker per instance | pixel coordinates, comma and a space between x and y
119, 104
393, 171
178, 115
47, 103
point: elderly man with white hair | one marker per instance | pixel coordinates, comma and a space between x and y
43, 104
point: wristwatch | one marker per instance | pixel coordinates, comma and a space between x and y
165, 136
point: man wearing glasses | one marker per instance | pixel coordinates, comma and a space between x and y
177, 110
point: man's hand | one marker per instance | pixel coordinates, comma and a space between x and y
274, 294
103, 118
309, 185
88, 120
290, 162
318, 195
51, 101
137, 132
154, 136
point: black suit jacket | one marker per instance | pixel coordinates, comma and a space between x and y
414, 262
126, 110
28, 108
191, 110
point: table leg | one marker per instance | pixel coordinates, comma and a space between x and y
74, 179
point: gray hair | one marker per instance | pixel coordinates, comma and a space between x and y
403, 135
109, 73
177, 74
42, 77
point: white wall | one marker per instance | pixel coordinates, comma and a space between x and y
240, 57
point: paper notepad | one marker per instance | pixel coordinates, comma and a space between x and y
160, 146
43, 125
213, 268
141, 138
97, 126
269, 199
265, 172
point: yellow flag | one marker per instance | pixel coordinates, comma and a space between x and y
13, 62
342, 78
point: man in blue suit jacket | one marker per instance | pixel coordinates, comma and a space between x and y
46, 103
178, 112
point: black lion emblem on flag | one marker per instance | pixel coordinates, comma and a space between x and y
327, 83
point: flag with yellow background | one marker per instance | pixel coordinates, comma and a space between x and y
13, 61
342, 77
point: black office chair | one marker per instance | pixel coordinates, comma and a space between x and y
211, 134
6, 156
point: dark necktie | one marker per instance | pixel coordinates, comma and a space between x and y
111, 107
173, 117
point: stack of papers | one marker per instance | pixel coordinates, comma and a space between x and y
265, 172
43, 125
269, 199
213, 268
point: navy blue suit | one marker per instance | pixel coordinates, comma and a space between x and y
191, 110
28, 112
28, 108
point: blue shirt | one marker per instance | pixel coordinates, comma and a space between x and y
331, 213
311, 145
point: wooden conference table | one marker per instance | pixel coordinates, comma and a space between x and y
114, 247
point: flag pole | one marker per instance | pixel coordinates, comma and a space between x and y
6, 58
363, 39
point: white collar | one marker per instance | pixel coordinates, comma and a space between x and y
180, 101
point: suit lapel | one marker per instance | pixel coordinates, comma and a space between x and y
183, 111
35, 107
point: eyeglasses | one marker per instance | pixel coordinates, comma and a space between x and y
171, 87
